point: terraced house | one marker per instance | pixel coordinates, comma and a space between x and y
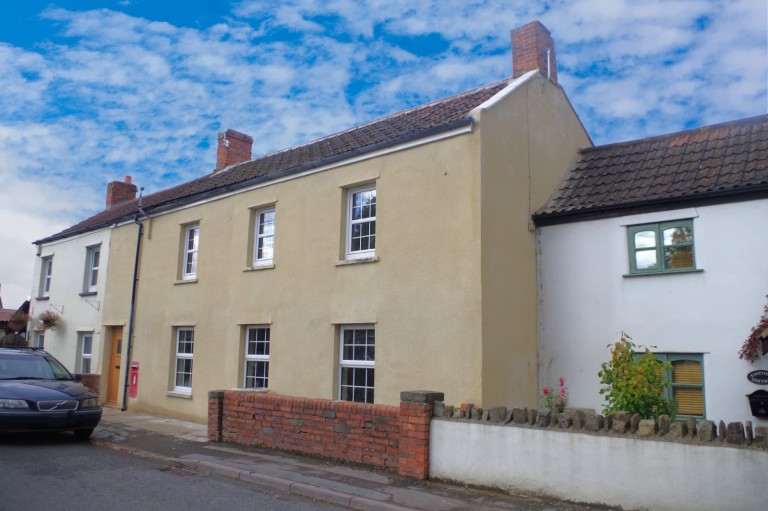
394, 255
663, 238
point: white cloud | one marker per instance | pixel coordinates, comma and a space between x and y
122, 95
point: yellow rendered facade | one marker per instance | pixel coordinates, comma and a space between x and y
451, 291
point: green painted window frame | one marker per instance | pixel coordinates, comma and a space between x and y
658, 229
669, 392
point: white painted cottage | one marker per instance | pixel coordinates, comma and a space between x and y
665, 238
69, 280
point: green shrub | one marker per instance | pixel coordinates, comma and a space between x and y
634, 381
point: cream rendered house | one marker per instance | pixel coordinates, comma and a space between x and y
392, 256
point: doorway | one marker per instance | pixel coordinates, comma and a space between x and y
115, 355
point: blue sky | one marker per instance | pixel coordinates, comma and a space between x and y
91, 91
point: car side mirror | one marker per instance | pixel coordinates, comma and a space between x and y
77, 377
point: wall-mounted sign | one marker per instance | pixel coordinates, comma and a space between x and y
760, 377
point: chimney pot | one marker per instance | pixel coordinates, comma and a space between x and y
234, 147
128, 179
533, 49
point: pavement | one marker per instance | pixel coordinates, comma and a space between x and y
185, 444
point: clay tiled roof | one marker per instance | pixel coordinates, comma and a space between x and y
411, 124
5, 315
719, 163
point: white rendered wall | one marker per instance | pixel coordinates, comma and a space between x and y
633, 474
586, 300
79, 314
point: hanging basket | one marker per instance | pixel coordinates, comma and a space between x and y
49, 319
18, 321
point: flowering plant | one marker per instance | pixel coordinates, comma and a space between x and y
49, 319
556, 400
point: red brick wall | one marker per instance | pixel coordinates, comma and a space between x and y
390, 437
529, 50
92, 381
234, 147
120, 191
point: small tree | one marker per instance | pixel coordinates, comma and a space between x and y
635, 382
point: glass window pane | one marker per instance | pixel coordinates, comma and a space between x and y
690, 401
645, 239
678, 257
87, 344
686, 371
645, 260
678, 236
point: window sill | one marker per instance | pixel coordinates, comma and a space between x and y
362, 260
185, 281
259, 267
42, 298
88, 293
664, 273
182, 395
259, 391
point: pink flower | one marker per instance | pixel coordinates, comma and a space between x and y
545, 390
562, 381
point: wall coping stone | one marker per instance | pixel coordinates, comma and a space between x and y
421, 396
701, 432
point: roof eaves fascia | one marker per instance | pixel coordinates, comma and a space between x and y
347, 155
612, 211
323, 162
513, 85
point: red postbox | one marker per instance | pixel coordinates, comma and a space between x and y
134, 389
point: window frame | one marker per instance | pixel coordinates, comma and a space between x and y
658, 228
84, 356
258, 237
350, 222
182, 357
255, 359
92, 263
39, 338
669, 391
367, 365
190, 256
46, 272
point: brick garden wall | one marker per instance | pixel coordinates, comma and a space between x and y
389, 437
92, 381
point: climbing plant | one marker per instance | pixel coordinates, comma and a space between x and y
752, 347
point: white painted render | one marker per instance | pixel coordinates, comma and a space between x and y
80, 312
586, 300
626, 472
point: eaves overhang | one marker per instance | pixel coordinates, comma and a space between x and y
338, 159
565, 216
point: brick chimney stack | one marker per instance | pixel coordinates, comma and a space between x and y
120, 191
234, 147
533, 49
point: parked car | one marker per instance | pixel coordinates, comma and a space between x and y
37, 393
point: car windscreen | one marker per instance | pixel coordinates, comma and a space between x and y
14, 367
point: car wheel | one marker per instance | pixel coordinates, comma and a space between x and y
83, 434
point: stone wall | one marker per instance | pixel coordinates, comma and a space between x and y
617, 460
617, 424
388, 437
